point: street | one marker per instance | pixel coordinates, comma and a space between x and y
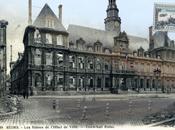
87, 110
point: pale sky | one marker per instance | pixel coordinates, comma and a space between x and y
136, 15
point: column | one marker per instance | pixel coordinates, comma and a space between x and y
66, 76
77, 82
114, 82
150, 84
43, 80
54, 73
128, 82
103, 82
43, 61
138, 84
94, 82
85, 82
144, 83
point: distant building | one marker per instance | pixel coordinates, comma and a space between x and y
3, 56
86, 59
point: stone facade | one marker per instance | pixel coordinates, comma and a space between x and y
3, 56
85, 59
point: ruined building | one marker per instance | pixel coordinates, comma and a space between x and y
84, 59
3, 56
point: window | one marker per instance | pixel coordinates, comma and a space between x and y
80, 46
107, 51
106, 67
37, 57
90, 49
59, 40
72, 62
59, 60
98, 48
50, 23
48, 39
37, 36
72, 80
98, 66
81, 62
49, 79
48, 58
91, 65
59, 79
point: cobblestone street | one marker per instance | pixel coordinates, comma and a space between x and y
118, 111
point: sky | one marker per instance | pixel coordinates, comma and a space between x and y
136, 15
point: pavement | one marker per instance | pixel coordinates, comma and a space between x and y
100, 109
110, 96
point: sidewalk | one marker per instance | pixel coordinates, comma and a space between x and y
109, 96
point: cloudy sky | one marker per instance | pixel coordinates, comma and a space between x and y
136, 15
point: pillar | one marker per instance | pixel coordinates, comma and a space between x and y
85, 82
138, 84
145, 84
151, 84
66, 76
103, 82
94, 82
77, 85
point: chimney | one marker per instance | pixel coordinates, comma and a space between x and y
60, 13
30, 13
11, 53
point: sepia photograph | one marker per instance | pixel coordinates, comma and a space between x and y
87, 64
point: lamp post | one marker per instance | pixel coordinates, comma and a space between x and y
157, 74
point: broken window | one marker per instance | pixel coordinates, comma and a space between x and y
81, 62
59, 58
49, 79
37, 36
49, 59
37, 56
72, 62
59, 40
59, 79
38, 80
48, 38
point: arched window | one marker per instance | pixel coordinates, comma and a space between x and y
48, 38
38, 81
37, 56
49, 59
59, 40
49, 79
37, 36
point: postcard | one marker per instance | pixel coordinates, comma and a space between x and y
88, 64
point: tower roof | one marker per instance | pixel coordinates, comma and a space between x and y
47, 19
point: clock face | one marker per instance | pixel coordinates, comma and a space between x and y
116, 24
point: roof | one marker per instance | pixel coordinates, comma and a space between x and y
92, 35
136, 42
45, 13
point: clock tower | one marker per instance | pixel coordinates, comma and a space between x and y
113, 21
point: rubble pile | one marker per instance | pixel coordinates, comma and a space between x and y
165, 114
9, 104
